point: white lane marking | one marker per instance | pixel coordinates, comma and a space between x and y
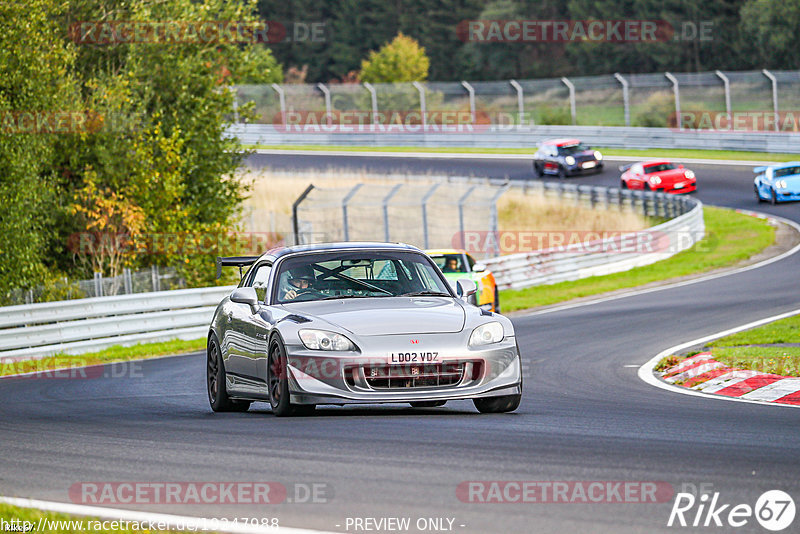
172, 521
467, 155
646, 371
632, 365
728, 379
637, 292
774, 391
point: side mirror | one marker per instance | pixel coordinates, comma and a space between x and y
680, 166
245, 295
465, 288
478, 268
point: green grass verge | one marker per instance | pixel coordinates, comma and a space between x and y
783, 361
730, 237
632, 153
738, 350
63, 523
783, 331
116, 353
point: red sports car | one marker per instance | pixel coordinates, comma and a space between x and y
658, 175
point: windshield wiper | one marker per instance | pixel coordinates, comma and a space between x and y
426, 293
334, 297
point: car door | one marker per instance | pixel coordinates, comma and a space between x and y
251, 325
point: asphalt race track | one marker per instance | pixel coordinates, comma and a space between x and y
585, 415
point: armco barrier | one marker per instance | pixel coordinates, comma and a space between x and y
573, 262
528, 137
85, 325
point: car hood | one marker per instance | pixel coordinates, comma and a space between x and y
792, 181
386, 315
671, 176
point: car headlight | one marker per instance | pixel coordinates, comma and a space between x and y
655, 180
322, 340
780, 184
689, 174
570, 160
486, 334
598, 156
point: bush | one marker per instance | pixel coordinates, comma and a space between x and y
658, 111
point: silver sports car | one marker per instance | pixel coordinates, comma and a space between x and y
356, 323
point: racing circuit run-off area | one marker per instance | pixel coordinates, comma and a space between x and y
389, 267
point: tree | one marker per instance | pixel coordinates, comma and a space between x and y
771, 29
402, 60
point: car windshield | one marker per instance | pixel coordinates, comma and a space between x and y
357, 274
788, 171
659, 167
572, 149
450, 263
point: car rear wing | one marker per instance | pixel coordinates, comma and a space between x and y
234, 261
623, 168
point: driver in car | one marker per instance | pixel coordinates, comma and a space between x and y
300, 280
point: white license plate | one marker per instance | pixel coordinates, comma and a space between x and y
405, 358
680, 185
589, 164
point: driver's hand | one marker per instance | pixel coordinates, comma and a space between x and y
291, 294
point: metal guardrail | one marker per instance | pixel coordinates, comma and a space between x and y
611, 255
85, 325
528, 137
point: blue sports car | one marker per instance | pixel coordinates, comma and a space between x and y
778, 183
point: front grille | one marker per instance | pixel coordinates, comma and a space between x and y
430, 375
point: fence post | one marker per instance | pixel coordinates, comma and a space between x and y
676, 90
155, 278
493, 224
471, 92
235, 104
425, 199
520, 102
328, 110
282, 99
98, 284
461, 202
774, 81
295, 206
625, 99
373, 95
422, 108
386, 200
573, 111
345, 201
127, 281
726, 83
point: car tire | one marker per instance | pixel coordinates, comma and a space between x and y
646, 187
758, 196
562, 172
278, 379
496, 300
215, 381
538, 170
506, 403
427, 404
623, 184
773, 199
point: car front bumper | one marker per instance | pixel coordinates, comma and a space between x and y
317, 377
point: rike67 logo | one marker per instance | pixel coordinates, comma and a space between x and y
774, 510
